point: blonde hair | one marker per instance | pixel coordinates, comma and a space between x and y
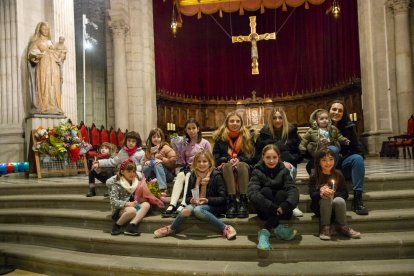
285, 123
207, 154
246, 146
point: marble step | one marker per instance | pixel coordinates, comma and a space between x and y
53, 261
376, 200
376, 221
372, 246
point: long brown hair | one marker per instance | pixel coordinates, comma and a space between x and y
149, 144
247, 145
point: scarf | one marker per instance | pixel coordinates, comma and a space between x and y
142, 194
200, 177
103, 155
235, 146
130, 151
130, 188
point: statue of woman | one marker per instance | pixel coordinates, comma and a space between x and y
44, 67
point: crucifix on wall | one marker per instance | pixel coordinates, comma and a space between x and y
253, 37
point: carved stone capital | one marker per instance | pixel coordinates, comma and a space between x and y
398, 6
119, 27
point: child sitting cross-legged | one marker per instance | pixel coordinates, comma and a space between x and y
209, 184
130, 199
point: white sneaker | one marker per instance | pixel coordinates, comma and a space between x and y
297, 212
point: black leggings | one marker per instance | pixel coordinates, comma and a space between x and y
269, 215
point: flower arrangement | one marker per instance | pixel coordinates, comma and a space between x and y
155, 190
59, 141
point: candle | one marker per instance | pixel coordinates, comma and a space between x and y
173, 127
355, 117
9, 167
333, 184
168, 126
3, 168
26, 166
351, 117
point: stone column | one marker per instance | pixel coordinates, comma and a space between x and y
119, 28
11, 99
403, 60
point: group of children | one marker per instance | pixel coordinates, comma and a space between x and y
211, 179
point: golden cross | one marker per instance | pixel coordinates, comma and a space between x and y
253, 37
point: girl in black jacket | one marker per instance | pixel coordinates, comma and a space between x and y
285, 136
207, 197
233, 152
274, 195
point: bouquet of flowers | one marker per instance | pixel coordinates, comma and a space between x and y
155, 190
59, 141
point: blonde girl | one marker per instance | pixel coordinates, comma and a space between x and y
233, 152
207, 182
193, 143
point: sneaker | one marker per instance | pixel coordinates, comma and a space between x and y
229, 232
263, 244
132, 230
116, 229
283, 232
164, 231
349, 232
297, 213
325, 233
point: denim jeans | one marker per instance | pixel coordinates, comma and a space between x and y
204, 212
353, 168
160, 172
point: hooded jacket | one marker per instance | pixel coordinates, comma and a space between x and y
311, 141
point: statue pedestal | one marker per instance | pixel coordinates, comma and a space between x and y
36, 120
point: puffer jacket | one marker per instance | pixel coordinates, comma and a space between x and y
311, 141
277, 179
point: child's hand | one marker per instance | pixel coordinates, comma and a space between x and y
157, 161
279, 211
347, 142
95, 165
324, 141
194, 201
131, 204
326, 192
287, 165
147, 163
234, 162
202, 201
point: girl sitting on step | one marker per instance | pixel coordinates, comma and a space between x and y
193, 143
274, 195
207, 197
159, 159
328, 192
131, 149
130, 199
105, 151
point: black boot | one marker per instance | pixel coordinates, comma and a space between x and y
132, 230
243, 207
116, 229
358, 205
231, 207
92, 192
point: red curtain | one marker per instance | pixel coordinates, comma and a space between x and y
312, 52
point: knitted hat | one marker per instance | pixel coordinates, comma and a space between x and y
125, 163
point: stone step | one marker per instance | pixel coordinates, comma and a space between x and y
79, 185
376, 221
52, 261
377, 200
372, 246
